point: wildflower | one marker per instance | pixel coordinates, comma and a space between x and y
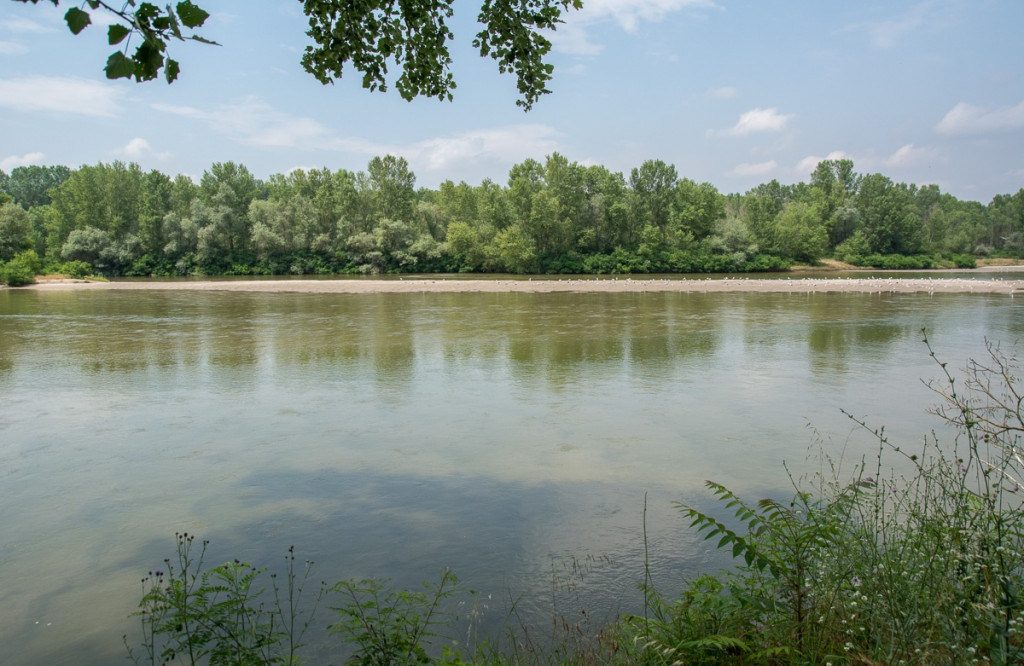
855, 581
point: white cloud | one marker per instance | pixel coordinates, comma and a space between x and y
15, 161
965, 118
725, 92
136, 148
139, 148
809, 163
758, 120
758, 169
56, 94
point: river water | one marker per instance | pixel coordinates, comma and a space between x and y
510, 437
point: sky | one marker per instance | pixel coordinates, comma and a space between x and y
735, 93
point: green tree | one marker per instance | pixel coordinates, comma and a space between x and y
368, 36
654, 193
181, 234
91, 245
524, 181
30, 185
465, 247
761, 206
1006, 222
838, 184
605, 215
394, 187
156, 196
799, 233
15, 231
888, 218
107, 197
700, 206
237, 177
223, 230
494, 208
513, 250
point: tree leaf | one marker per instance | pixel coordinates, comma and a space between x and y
191, 15
119, 66
77, 20
171, 70
116, 33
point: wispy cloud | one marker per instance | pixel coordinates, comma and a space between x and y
12, 48
574, 39
758, 169
63, 95
809, 163
15, 161
573, 36
254, 122
887, 33
503, 145
628, 13
725, 92
910, 155
965, 118
757, 120
21, 25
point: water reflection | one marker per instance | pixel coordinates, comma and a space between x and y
392, 434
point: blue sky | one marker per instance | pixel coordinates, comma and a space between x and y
731, 92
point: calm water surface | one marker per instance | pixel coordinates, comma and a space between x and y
511, 437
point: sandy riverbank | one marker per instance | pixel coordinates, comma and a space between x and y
549, 285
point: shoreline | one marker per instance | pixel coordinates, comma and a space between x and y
945, 285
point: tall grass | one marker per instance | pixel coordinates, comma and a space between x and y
919, 567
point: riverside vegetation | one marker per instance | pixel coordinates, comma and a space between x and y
552, 217
917, 562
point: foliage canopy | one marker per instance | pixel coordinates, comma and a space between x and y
367, 35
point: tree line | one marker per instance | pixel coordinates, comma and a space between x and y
554, 216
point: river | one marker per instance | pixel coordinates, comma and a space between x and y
509, 436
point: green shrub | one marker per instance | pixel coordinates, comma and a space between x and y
879, 568
965, 261
391, 626
219, 615
22, 269
75, 269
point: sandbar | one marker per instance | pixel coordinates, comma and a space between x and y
790, 284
